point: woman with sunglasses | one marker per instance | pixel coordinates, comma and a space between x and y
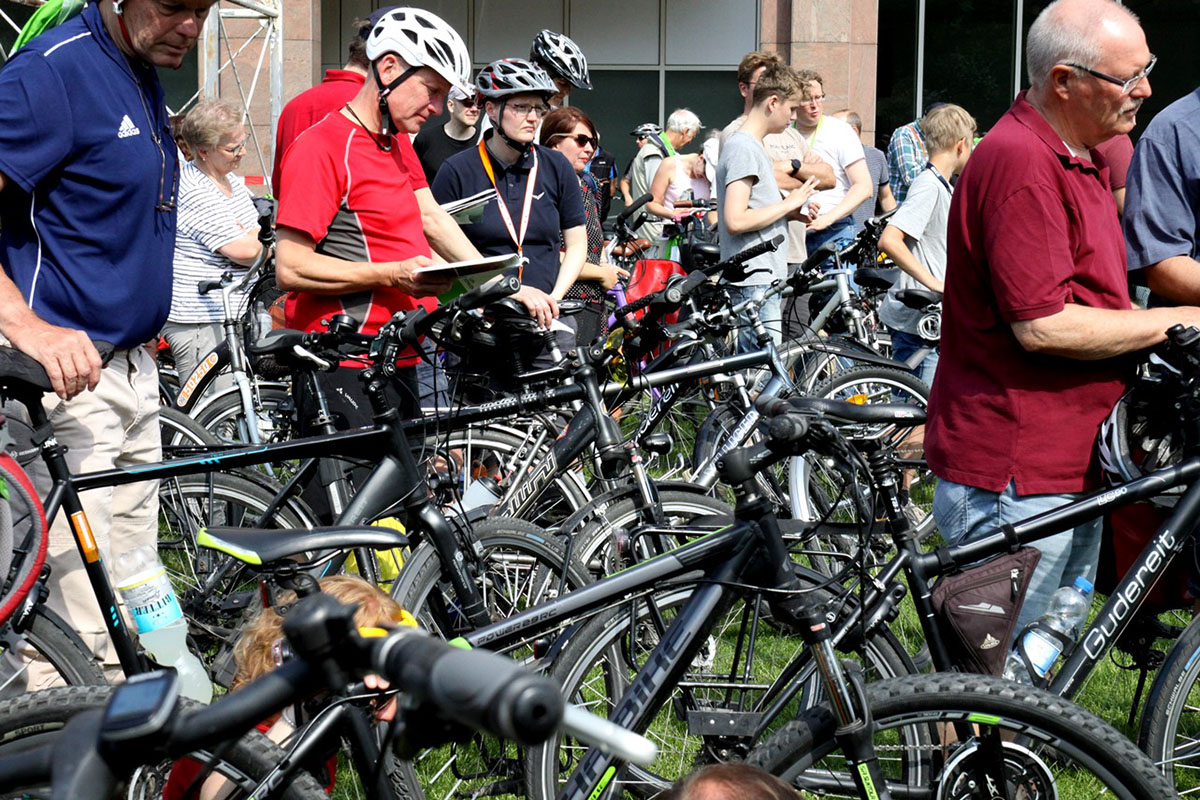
571, 132
539, 211
217, 231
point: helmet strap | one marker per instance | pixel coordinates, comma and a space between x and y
120, 12
520, 147
387, 124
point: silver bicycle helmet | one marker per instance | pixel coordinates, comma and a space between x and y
508, 76
1138, 435
646, 129
560, 57
422, 39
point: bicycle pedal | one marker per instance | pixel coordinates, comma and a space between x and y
721, 722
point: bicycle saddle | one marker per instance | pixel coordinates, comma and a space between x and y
631, 248
872, 278
264, 548
705, 254
22, 378
276, 342
918, 298
842, 411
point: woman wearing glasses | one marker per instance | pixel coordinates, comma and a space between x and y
571, 132
539, 211
217, 230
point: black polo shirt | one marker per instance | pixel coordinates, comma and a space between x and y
557, 205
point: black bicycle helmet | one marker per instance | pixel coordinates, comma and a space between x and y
1142, 432
646, 129
560, 57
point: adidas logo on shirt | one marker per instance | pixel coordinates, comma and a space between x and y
127, 128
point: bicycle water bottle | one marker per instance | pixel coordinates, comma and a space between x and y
483, 491
162, 630
1068, 611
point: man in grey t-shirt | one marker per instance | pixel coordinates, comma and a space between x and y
750, 208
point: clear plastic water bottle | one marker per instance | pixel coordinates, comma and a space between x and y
162, 630
483, 491
1067, 612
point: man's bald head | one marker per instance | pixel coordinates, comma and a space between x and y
1076, 31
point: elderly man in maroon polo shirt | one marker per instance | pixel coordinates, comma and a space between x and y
1036, 307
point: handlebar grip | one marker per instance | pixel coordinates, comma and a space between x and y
641, 201
204, 287
636, 305
750, 252
489, 292
478, 688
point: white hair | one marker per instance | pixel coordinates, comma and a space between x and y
1057, 37
683, 120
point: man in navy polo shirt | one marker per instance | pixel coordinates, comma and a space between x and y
1036, 307
88, 179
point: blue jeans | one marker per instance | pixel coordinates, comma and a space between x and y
770, 313
965, 513
904, 344
841, 232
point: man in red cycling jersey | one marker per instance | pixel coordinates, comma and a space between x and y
356, 220
1036, 307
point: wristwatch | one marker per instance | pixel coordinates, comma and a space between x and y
796, 164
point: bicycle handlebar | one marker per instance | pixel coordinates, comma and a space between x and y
624, 216
480, 689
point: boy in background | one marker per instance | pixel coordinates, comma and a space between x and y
748, 198
915, 237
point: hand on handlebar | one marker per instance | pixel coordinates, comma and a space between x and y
68, 356
541, 306
404, 276
610, 274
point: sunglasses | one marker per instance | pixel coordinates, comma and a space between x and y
581, 139
468, 102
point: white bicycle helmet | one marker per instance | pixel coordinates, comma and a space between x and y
1138, 436
507, 76
646, 129
561, 57
422, 39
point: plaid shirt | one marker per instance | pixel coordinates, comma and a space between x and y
906, 157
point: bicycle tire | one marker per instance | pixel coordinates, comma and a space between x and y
479, 445
510, 546
35, 719
188, 503
1057, 737
181, 434
596, 667
1171, 713
56, 643
818, 492
222, 414
595, 527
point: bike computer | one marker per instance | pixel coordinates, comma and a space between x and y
141, 707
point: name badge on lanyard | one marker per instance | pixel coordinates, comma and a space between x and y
518, 237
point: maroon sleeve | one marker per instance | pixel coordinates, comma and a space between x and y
312, 184
1118, 152
1028, 253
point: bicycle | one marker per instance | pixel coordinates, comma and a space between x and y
144, 725
754, 558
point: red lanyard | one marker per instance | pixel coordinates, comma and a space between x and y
518, 239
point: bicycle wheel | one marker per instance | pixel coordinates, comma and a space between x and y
1050, 747
726, 681
182, 435
37, 719
224, 418
717, 426
1170, 729
214, 589
48, 638
818, 490
478, 451
596, 527
522, 566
